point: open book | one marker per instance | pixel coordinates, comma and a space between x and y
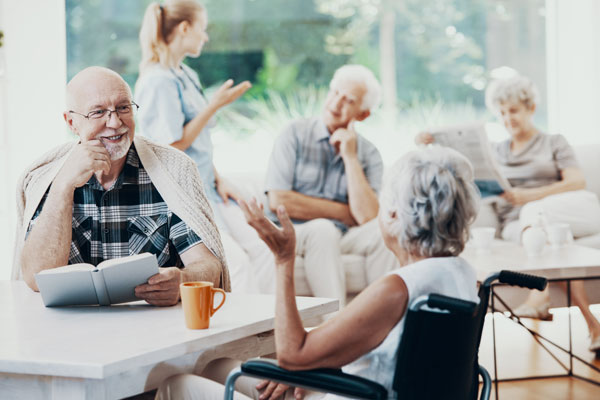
471, 141
111, 282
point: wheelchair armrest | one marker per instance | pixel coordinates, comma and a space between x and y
323, 380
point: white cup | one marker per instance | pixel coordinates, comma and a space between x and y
534, 240
482, 238
558, 234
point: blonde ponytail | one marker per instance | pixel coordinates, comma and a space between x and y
158, 25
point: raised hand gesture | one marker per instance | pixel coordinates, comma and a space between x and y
281, 241
228, 93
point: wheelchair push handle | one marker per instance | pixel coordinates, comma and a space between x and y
451, 304
523, 280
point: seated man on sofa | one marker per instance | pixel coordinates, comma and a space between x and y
327, 177
108, 195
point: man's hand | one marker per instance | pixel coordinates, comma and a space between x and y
85, 159
281, 241
226, 190
227, 94
274, 390
344, 140
519, 196
162, 289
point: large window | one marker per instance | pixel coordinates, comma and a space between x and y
434, 59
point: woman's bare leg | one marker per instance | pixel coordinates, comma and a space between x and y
580, 299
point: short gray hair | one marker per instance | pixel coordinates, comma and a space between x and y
363, 75
429, 201
517, 88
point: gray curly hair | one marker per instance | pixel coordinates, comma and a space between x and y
429, 201
517, 88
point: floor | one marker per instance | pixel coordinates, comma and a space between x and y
520, 356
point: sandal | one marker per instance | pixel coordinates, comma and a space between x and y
595, 346
541, 312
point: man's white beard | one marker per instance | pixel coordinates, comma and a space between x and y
118, 150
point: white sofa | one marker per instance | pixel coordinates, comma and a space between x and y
354, 264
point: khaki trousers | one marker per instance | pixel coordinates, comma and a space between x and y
251, 264
580, 209
322, 244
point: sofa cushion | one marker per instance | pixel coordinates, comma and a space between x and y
588, 157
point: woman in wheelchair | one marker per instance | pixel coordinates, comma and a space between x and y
427, 205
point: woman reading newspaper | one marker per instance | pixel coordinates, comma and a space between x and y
546, 181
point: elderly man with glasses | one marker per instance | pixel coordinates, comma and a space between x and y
110, 195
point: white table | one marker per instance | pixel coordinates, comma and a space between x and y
562, 264
565, 262
119, 351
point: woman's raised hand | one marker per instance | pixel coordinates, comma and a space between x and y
228, 93
281, 241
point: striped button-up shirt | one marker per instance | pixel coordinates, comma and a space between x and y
304, 161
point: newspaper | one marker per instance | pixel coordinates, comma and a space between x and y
471, 141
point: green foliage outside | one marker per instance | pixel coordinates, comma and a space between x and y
289, 50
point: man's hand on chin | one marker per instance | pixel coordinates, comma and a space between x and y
162, 289
344, 140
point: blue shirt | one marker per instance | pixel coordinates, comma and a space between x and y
169, 98
304, 161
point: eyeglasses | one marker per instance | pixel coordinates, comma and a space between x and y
120, 110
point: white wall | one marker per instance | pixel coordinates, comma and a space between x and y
573, 60
32, 98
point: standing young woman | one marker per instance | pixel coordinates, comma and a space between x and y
175, 111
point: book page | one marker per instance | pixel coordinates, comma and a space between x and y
471, 141
69, 285
68, 268
122, 275
100, 287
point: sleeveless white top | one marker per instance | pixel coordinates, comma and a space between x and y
449, 276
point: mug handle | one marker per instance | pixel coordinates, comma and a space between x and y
214, 310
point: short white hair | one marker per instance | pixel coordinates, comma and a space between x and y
429, 201
515, 89
363, 75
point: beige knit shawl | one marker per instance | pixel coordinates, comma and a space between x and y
172, 172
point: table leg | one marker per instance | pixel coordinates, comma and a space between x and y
570, 334
536, 336
255, 346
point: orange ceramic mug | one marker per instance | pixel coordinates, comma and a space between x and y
197, 299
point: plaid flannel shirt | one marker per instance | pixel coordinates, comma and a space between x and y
129, 218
